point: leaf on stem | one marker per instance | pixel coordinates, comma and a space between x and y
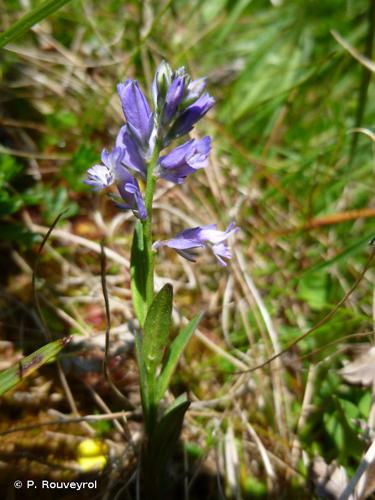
175, 351
16, 373
156, 328
168, 430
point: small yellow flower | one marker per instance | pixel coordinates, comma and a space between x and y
92, 454
92, 463
91, 448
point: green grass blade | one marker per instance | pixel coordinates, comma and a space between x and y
176, 349
353, 249
28, 20
16, 373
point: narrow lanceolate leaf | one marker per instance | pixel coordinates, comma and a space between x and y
175, 351
28, 20
16, 373
156, 328
138, 273
169, 429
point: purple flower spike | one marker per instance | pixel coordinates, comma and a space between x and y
185, 160
132, 157
186, 121
173, 99
188, 240
136, 110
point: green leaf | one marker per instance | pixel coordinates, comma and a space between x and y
365, 403
168, 429
16, 373
314, 289
138, 273
160, 446
74, 170
16, 232
28, 20
9, 168
175, 351
156, 328
340, 428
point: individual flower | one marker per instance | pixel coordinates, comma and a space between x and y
112, 171
132, 158
189, 240
193, 113
184, 160
173, 98
101, 176
137, 112
131, 197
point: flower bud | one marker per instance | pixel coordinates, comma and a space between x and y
193, 92
161, 83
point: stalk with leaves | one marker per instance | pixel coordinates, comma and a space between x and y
143, 152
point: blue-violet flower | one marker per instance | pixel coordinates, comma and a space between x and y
139, 117
188, 118
133, 158
184, 160
173, 99
112, 171
188, 240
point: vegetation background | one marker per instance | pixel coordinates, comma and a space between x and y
292, 164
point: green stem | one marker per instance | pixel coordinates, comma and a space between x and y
147, 226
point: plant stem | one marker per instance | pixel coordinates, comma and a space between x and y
147, 225
151, 478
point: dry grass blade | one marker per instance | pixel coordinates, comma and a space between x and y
367, 63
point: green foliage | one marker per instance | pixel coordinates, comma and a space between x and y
16, 232
53, 201
86, 155
176, 348
169, 429
28, 20
161, 445
340, 429
156, 329
25, 367
193, 450
314, 289
10, 201
331, 430
255, 488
